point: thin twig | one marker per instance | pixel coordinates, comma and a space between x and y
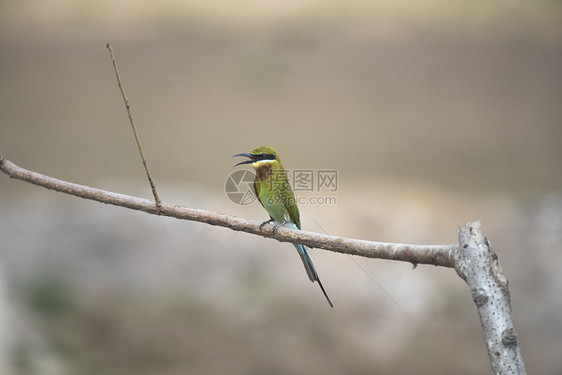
438, 255
130, 114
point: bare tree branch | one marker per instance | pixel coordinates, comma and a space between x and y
133, 127
473, 258
479, 266
416, 254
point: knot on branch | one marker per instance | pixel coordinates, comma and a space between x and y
509, 337
479, 296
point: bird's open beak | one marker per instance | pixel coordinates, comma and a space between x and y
251, 160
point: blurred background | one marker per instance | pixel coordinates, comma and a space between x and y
434, 113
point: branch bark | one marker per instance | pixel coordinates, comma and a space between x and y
473, 258
478, 265
440, 255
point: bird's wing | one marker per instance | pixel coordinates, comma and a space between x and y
293, 209
257, 191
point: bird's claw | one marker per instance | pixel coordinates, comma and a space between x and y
276, 226
265, 222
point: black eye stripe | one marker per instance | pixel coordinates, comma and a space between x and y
264, 156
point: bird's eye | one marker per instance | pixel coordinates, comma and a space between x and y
263, 155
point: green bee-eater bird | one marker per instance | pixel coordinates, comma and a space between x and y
274, 193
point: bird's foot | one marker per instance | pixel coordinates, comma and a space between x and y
276, 226
266, 222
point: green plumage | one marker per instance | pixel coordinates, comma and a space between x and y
272, 189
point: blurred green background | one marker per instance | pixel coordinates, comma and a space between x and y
434, 113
